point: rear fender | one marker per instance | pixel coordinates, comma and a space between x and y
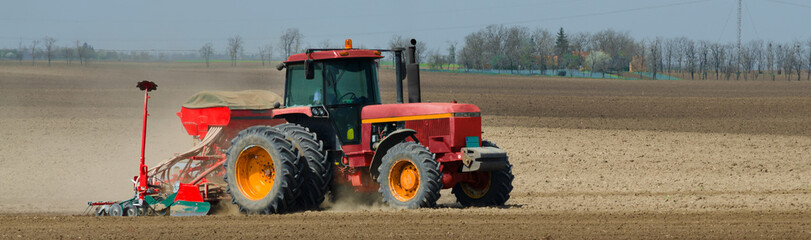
387, 143
292, 112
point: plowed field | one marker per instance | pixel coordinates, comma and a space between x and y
592, 158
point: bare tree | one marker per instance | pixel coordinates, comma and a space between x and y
690, 57
746, 61
234, 48
808, 61
206, 51
49, 48
398, 41
290, 41
68, 53
34, 44
731, 64
679, 52
80, 51
266, 52
779, 59
770, 56
515, 42
471, 56
436, 60
20, 52
544, 43
717, 58
578, 45
757, 56
798, 59
704, 60
670, 50
641, 54
655, 58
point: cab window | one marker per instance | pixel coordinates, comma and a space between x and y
301, 91
350, 82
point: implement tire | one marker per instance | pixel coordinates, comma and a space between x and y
409, 177
491, 189
318, 171
262, 172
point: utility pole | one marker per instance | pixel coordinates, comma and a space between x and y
739, 34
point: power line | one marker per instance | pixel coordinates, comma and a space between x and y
609, 12
456, 27
791, 3
542, 19
721, 34
751, 22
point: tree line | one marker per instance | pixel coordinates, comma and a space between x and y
516, 48
506, 48
47, 49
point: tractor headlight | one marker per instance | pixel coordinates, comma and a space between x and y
318, 111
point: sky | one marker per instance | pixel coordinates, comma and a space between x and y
187, 25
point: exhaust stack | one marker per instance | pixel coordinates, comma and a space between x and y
413, 74
400, 75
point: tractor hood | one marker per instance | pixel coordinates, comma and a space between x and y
415, 109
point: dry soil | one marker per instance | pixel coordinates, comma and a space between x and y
592, 158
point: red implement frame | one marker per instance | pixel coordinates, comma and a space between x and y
141, 187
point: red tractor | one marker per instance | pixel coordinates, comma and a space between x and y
330, 131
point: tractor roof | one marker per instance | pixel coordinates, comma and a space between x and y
335, 54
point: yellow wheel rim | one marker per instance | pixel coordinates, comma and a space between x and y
255, 172
404, 180
479, 189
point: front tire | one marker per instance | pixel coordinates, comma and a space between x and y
262, 172
489, 188
409, 177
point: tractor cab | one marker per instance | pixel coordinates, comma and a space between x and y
342, 81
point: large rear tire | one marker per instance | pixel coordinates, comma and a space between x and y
409, 177
489, 189
318, 173
262, 172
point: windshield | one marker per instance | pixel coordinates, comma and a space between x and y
348, 81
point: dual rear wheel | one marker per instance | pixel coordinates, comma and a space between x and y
276, 169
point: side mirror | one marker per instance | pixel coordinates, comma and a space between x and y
309, 69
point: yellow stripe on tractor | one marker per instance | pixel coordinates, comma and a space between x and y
408, 118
